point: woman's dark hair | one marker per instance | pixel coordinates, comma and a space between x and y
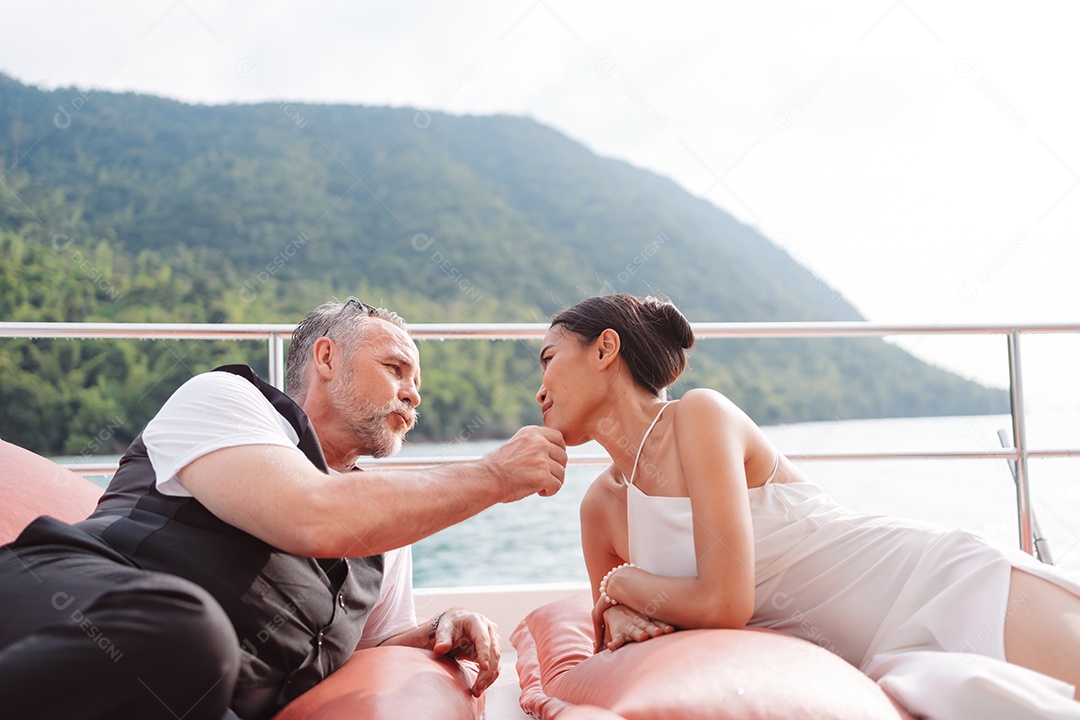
655, 335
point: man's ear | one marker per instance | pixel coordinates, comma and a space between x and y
607, 345
325, 357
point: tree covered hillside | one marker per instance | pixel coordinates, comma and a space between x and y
124, 207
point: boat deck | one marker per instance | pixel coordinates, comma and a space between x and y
502, 697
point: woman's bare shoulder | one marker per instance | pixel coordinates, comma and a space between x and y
700, 403
705, 412
703, 395
602, 492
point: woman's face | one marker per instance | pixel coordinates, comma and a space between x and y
569, 385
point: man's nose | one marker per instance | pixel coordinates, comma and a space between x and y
409, 394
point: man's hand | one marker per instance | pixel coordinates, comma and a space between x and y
533, 461
470, 636
616, 625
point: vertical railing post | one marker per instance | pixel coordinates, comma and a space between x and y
1019, 432
277, 361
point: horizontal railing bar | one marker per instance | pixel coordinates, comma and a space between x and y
817, 457
144, 331
91, 468
532, 331
866, 329
594, 459
511, 331
937, 455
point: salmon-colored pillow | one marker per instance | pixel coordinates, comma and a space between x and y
391, 683
688, 675
31, 486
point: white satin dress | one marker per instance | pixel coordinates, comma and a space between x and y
919, 608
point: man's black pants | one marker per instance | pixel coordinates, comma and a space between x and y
85, 634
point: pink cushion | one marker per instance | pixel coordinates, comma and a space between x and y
390, 683
32, 486
688, 675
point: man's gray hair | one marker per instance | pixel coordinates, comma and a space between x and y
344, 322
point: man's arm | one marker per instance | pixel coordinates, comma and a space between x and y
462, 634
393, 622
277, 495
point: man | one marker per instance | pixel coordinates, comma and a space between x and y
236, 559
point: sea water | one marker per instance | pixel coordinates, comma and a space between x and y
538, 539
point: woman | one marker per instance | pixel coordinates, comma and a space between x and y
701, 523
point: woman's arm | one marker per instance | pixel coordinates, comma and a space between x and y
613, 625
599, 523
712, 437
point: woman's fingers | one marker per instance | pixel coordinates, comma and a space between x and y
598, 624
636, 628
616, 625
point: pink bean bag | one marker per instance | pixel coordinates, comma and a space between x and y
690, 675
31, 486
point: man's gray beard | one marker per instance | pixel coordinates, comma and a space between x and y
370, 422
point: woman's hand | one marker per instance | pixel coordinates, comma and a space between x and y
616, 625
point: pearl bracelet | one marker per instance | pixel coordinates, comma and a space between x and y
603, 583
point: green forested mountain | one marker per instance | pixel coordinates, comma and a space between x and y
124, 207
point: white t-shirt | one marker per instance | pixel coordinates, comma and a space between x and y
217, 410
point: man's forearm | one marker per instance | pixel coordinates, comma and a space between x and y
277, 495
366, 513
419, 637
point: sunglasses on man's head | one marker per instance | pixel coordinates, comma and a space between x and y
352, 302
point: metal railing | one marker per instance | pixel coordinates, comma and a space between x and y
276, 334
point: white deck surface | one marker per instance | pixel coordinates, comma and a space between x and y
502, 697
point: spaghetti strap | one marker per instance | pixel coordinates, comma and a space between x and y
644, 438
775, 467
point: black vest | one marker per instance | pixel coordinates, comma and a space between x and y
297, 619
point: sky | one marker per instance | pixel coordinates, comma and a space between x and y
922, 158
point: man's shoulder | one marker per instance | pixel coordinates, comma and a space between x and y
219, 379
217, 389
